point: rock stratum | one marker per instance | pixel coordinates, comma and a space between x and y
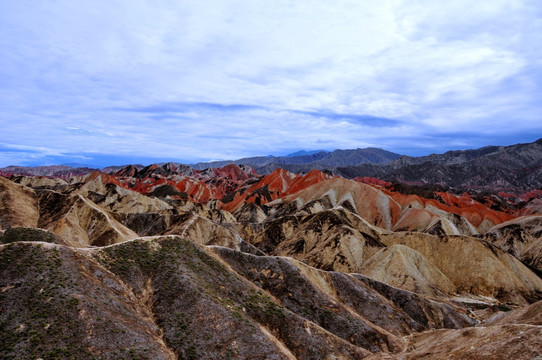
170, 262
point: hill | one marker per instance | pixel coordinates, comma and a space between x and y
170, 262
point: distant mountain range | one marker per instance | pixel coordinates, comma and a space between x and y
60, 171
516, 168
305, 152
310, 160
496, 168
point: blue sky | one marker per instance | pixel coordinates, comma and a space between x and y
112, 82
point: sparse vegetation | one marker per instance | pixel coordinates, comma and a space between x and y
260, 302
26, 234
166, 190
426, 191
45, 295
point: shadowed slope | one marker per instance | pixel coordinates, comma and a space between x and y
345, 295
168, 297
522, 238
58, 303
331, 240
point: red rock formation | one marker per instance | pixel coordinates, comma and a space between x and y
372, 181
273, 186
476, 213
233, 186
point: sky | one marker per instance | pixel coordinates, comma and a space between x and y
132, 81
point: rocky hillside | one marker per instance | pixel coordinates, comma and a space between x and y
169, 262
516, 168
319, 160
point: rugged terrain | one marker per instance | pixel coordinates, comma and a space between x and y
515, 168
170, 262
511, 170
319, 160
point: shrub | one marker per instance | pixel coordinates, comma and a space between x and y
26, 234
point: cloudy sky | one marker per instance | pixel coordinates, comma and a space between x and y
123, 81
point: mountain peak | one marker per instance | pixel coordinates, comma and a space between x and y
305, 153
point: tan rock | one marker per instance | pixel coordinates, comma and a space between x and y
19, 206
40, 182
79, 222
369, 203
451, 224
205, 232
521, 237
474, 267
491, 342
120, 200
531, 314
334, 239
250, 213
405, 268
414, 219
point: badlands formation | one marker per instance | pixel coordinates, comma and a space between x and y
170, 262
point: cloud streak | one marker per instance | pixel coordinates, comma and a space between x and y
189, 81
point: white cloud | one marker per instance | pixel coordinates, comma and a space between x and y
433, 67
